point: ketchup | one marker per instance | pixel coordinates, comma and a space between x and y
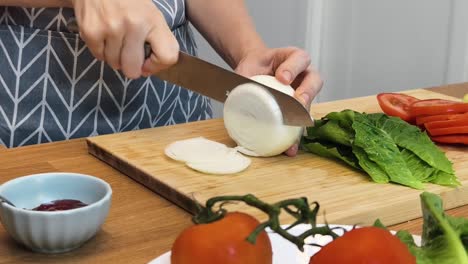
60, 205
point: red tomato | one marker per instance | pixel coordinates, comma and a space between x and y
395, 104
437, 107
447, 123
448, 130
432, 118
222, 241
365, 245
452, 139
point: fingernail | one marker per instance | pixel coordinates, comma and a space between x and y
294, 148
292, 151
287, 76
305, 98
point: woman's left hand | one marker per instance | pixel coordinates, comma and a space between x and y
291, 66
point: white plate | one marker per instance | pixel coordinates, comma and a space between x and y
285, 251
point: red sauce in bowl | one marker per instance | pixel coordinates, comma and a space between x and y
60, 205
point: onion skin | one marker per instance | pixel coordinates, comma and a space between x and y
253, 119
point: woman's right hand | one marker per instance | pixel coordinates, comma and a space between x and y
115, 31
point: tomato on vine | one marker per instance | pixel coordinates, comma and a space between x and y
365, 245
223, 241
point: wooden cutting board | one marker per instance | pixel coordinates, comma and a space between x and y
346, 195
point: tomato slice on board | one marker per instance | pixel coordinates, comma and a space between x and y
447, 123
452, 139
448, 130
420, 120
437, 107
395, 104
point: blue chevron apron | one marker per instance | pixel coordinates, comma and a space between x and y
51, 88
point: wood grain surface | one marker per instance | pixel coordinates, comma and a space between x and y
456, 90
348, 196
141, 224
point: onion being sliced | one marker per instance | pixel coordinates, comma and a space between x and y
253, 118
207, 156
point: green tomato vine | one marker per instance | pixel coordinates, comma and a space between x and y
299, 209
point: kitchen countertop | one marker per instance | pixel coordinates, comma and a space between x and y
141, 225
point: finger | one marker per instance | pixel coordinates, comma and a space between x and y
90, 33
113, 47
292, 151
291, 66
165, 50
309, 87
132, 54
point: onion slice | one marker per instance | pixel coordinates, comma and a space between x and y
207, 156
194, 149
228, 164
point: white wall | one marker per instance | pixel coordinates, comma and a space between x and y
371, 46
279, 22
363, 47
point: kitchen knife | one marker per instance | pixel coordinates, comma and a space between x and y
215, 82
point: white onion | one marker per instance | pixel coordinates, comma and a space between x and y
207, 156
227, 164
195, 149
253, 118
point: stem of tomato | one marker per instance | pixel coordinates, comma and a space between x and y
299, 209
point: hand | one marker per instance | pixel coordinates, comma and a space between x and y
115, 31
290, 66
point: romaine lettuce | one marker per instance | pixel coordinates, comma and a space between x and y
387, 148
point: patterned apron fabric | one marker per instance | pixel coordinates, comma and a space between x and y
51, 88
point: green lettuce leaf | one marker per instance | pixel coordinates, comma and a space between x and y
420, 169
335, 152
381, 149
344, 118
441, 238
411, 138
415, 250
386, 148
372, 168
444, 178
444, 238
330, 131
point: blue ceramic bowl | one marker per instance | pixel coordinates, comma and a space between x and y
54, 231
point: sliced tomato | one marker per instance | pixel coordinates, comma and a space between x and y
448, 130
447, 123
452, 139
420, 120
437, 107
395, 104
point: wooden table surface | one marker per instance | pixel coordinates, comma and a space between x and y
141, 225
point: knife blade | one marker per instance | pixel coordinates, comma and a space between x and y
215, 82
